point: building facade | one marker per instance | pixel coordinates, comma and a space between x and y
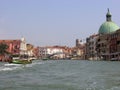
13, 46
91, 52
114, 45
51, 52
23, 46
102, 47
78, 51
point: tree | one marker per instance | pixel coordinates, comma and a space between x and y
3, 49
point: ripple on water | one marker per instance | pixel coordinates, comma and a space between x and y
61, 75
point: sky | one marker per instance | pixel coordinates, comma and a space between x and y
54, 22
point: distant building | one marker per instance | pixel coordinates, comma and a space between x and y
54, 52
77, 42
36, 52
42, 52
51, 52
78, 51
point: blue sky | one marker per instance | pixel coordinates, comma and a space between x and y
54, 22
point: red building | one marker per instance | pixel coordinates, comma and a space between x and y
13, 46
114, 45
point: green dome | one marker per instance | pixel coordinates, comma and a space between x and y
108, 27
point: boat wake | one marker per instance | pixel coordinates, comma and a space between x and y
34, 63
11, 66
7, 69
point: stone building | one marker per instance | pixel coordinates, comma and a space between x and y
102, 47
118, 42
91, 53
114, 45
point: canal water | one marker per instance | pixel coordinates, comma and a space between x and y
61, 75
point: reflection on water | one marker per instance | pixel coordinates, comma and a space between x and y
60, 75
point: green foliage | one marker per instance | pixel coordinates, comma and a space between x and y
3, 49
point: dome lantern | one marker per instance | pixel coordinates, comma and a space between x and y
108, 16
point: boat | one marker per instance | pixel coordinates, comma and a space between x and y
44, 58
19, 61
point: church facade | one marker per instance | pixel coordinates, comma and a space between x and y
107, 45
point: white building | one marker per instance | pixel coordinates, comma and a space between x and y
23, 47
51, 51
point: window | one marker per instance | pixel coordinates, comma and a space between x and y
118, 42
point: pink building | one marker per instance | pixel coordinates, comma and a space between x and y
13, 46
